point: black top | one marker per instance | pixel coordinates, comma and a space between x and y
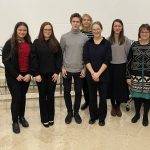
44, 60
96, 55
11, 63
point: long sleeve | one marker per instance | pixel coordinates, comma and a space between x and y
86, 57
128, 66
108, 56
9, 67
58, 57
34, 64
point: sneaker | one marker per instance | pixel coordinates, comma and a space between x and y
24, 122
68, 118
77, 118
15, 127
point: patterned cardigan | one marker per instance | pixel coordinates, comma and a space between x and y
138, 70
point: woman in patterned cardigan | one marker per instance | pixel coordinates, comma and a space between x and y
138, 73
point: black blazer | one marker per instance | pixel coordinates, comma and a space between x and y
11, 64
44, 60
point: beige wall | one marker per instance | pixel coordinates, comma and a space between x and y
34, 12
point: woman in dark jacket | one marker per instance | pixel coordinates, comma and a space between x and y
97, 55
15, 56
46, 62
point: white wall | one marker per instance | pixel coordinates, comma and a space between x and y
34, 12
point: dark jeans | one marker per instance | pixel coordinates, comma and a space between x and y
86, 90
18, 90
67, 82
138, 103
46, 98
95, 111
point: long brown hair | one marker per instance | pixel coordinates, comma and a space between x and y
53, 43
14, 39
121, 39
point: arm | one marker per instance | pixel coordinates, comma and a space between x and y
7, 60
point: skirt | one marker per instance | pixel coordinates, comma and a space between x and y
118, 87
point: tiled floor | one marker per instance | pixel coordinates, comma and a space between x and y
117, 134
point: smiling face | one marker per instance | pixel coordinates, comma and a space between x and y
117, 27
144, 34
21, 32
47, 31
86, 22
96, 30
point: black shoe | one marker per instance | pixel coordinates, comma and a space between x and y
68, 118
45, 124
92, 121
77, 118
135, 118
24, 122
51, 123
84, 106
101, 123
145, 121
15, 127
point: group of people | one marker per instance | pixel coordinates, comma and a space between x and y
110, 66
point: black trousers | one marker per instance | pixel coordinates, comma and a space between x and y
138, 103
18, 90
46, 90
67, 82
95, 111
85, 90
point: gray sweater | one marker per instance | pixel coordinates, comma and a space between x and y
120, 52
72, 47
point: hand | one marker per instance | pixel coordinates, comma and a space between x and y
95, 76
64, 72
38, 78
129, 82
26, 78
82, 74
20, 77
55, 77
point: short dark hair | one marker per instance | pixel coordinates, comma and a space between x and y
143, 26
75, 15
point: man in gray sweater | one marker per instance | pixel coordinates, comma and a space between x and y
72, 46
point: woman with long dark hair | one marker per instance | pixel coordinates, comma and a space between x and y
46, 62
15, 56
118, 89
138, 73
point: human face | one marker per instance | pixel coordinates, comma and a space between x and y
75, 23
47, 31
86, 22
117, 27
144, 34
21, 31
96, 30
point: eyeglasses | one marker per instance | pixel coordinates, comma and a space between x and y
145, 32
48, 30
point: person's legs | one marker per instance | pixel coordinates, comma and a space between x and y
67, 96
86, 94
146, 111
51, 86
78, 95
137, 104
102, 87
